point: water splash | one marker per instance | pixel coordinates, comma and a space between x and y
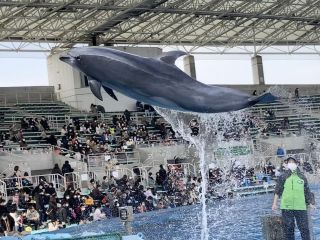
211, 135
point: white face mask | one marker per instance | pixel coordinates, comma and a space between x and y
292, 166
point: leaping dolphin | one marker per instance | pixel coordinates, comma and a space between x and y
153, 81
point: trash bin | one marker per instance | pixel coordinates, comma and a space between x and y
272, 227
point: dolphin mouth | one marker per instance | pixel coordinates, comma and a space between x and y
66, 58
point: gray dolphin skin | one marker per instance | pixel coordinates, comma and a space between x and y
155, 81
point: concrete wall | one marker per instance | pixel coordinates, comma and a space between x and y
61, 74
34, 161
73, 94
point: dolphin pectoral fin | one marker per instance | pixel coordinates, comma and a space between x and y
171, 57
95, 87
110, 92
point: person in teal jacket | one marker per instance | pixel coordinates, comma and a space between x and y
292, 187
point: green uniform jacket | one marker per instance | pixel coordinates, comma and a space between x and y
294, 191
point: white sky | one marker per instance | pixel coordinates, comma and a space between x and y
26, 69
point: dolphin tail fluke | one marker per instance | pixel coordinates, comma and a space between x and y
264, 98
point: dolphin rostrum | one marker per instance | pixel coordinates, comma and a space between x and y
156, 82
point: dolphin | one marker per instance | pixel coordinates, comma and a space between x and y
155, 81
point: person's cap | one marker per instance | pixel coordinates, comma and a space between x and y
291, 158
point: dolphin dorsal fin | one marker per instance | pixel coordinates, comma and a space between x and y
171, 57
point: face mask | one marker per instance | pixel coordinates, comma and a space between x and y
67, 205
67, 197
292, 166
4, 218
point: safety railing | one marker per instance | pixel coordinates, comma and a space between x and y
142, 173
187, 169
73, 179
13, 183
53, 122
274, 159
26, 97
161, 142
97, 161
124, 171
3, 190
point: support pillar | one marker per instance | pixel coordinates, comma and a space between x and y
93, 41
189, 66
257, 70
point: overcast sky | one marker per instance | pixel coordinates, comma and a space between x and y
25, 69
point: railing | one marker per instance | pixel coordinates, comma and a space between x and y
26, 97
124, 171
73, 179
3, 190
31, 149
143, 174
53, 122
274, 159
167, 142
99, 160
13, 183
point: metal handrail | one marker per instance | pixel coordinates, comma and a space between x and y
58, 181
3, 190
99, 158
73, 179
27, 97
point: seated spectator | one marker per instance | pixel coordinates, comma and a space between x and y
296, 92
93, 108
151, 181
44, 123
54, 225
66, 168
100, 109
16, 172
63, 130
26, 183
62, 212
23, 144
107, 210
96, 194
33, 217
56, 169
89, 201
7, 225
52, 140
98, 215
142, 208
